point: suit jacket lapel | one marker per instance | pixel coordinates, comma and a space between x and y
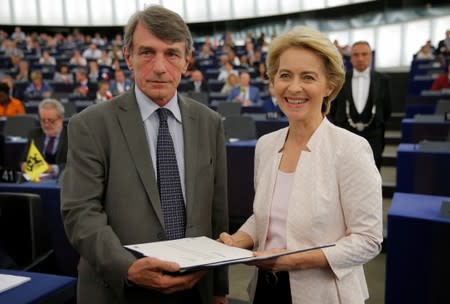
374, 86
349, 92
39, 141
190, 134
133, 129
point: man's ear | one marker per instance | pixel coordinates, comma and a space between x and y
187, 60
127, 57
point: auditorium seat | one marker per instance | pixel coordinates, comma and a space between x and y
216, 85
239, 127
23, 232
201, 97
227, 109
20, 125
442, 106
70, 109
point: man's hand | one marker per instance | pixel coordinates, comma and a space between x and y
155, 274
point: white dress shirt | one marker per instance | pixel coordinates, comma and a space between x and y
360, 88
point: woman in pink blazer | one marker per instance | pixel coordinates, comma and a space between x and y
315, 184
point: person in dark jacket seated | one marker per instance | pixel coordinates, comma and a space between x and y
270, 104
197, 83
51, 138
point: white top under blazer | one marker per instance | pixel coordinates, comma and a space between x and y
336, 198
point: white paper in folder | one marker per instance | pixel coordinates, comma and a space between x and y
8, 281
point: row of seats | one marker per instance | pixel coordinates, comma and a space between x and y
422, 75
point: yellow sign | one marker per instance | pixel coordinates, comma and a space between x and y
36, 164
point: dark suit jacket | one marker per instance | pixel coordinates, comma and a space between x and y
441, 47
203, 88
269, 106
39, 140
110, 195
379, 94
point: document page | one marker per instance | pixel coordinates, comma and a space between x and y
8, 281
202, 252
191, 252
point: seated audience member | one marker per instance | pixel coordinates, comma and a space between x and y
51, 138
206, 52
63, 75
13, 65
198, 83
9, 106
47, 59
262, 73
18, 35
444, 45
77, 59
270, 104
345, 50
10, 82
244, 61
120, 83
92, 53
256, 58
23, 73
38, 87
118, 41
115, 53
245, 93
442, 82
10, 49
232, 81
81, 82
98, 40
226, 70
94, 71
104, 59
192, 66
425, 53
231, 54
103, 93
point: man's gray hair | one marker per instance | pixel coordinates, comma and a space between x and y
50, 103
161, 22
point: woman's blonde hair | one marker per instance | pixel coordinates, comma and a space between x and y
315, 41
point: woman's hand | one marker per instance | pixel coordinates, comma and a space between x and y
239, 239
227, 239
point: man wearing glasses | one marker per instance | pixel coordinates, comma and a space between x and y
51, 137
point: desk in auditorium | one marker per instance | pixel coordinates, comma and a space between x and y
415, 131
425, 172
49, 191
42, 288
418, 255
240, 162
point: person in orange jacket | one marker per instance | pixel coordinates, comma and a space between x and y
9, 106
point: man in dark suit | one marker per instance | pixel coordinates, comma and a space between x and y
444, 45
197, 83
51, 138
113, 192
270, 104
364, 103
